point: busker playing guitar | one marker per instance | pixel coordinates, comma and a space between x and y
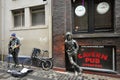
71, 48
14, 47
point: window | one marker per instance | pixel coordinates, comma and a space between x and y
18, 16
91, 16
38, 15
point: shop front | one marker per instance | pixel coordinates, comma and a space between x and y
95, 26
95, 58
99, 58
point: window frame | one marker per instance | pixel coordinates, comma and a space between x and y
37, 9
91, 18
21, 13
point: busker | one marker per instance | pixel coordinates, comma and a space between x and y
71, 48
14, 47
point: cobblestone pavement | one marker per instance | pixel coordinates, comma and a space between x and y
39, 74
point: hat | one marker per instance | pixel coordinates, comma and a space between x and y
13, 34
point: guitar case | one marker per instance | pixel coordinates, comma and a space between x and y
21, 73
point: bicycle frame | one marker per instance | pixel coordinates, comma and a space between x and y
45, 62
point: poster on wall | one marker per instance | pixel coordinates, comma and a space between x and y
101, 58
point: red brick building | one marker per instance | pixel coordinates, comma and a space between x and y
96, 25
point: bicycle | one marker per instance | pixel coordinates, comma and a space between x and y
40, 61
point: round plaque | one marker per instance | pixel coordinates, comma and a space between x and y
80, 10
103, 7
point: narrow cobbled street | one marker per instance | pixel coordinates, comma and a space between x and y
39, 74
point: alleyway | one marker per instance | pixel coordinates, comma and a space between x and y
39, 74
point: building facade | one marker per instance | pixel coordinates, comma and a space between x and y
0, 26
44, 23
96, 23
31, 21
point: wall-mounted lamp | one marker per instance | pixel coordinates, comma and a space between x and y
45, 1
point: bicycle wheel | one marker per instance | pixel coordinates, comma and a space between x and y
27, 63
47, 64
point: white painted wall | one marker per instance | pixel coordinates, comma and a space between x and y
37, 36
0, 27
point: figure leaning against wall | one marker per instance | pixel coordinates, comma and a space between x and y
71, 48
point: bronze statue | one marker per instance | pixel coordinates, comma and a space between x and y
71, 48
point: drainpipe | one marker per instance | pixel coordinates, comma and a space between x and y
3, 28
50, 27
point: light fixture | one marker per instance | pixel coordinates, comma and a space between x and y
45, 1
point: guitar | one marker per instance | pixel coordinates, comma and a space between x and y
12, 48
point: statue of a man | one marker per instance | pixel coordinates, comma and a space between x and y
71, 48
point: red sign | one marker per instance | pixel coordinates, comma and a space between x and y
99, 57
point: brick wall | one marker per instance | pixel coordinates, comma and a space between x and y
117, 16
58, 32
62, 22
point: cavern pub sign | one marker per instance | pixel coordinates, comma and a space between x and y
98, 58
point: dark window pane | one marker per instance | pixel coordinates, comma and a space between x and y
17, 21
98, 17
38, 15
103, 15
23, 20
38, 18
80, 22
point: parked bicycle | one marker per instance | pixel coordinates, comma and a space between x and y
45, 62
